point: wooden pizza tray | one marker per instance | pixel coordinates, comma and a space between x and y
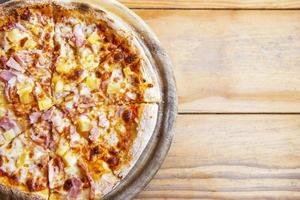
156, 150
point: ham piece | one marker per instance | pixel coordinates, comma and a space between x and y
13, 64
6, 75
7, 123
34, 117
79, 35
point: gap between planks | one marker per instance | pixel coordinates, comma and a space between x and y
170, 8
237, 113
213, 4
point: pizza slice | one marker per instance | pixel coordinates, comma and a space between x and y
115, 134
106, 138
70, 177
111, 61
125, 80
23, 168
27, 43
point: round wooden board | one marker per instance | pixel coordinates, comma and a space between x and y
160, 142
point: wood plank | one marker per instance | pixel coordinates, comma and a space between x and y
231, 157
213, 4
232, 61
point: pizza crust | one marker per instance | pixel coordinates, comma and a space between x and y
11, 6
147, 123
152, 94
10, 193
106, 184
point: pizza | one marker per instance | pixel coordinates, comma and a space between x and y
79, 100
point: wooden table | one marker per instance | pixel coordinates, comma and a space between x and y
237, 65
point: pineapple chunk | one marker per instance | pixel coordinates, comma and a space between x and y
30, 44
2, 111
109, 68
120, 127
113, 88
63, 147
72, 170
87, 59
22, 159
55, 196
2, 99
26, 98
25, 87
24, 92
127, 71
15, 35
99, 167
92, 82
70, 158
105, 166
59, 86
84, 123
68, 87
65, 67
93, 38
45, 104
2, 53
33, 28
9, 135
55, 78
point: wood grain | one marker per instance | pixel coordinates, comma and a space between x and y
231, 157
232, 61
213, 4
